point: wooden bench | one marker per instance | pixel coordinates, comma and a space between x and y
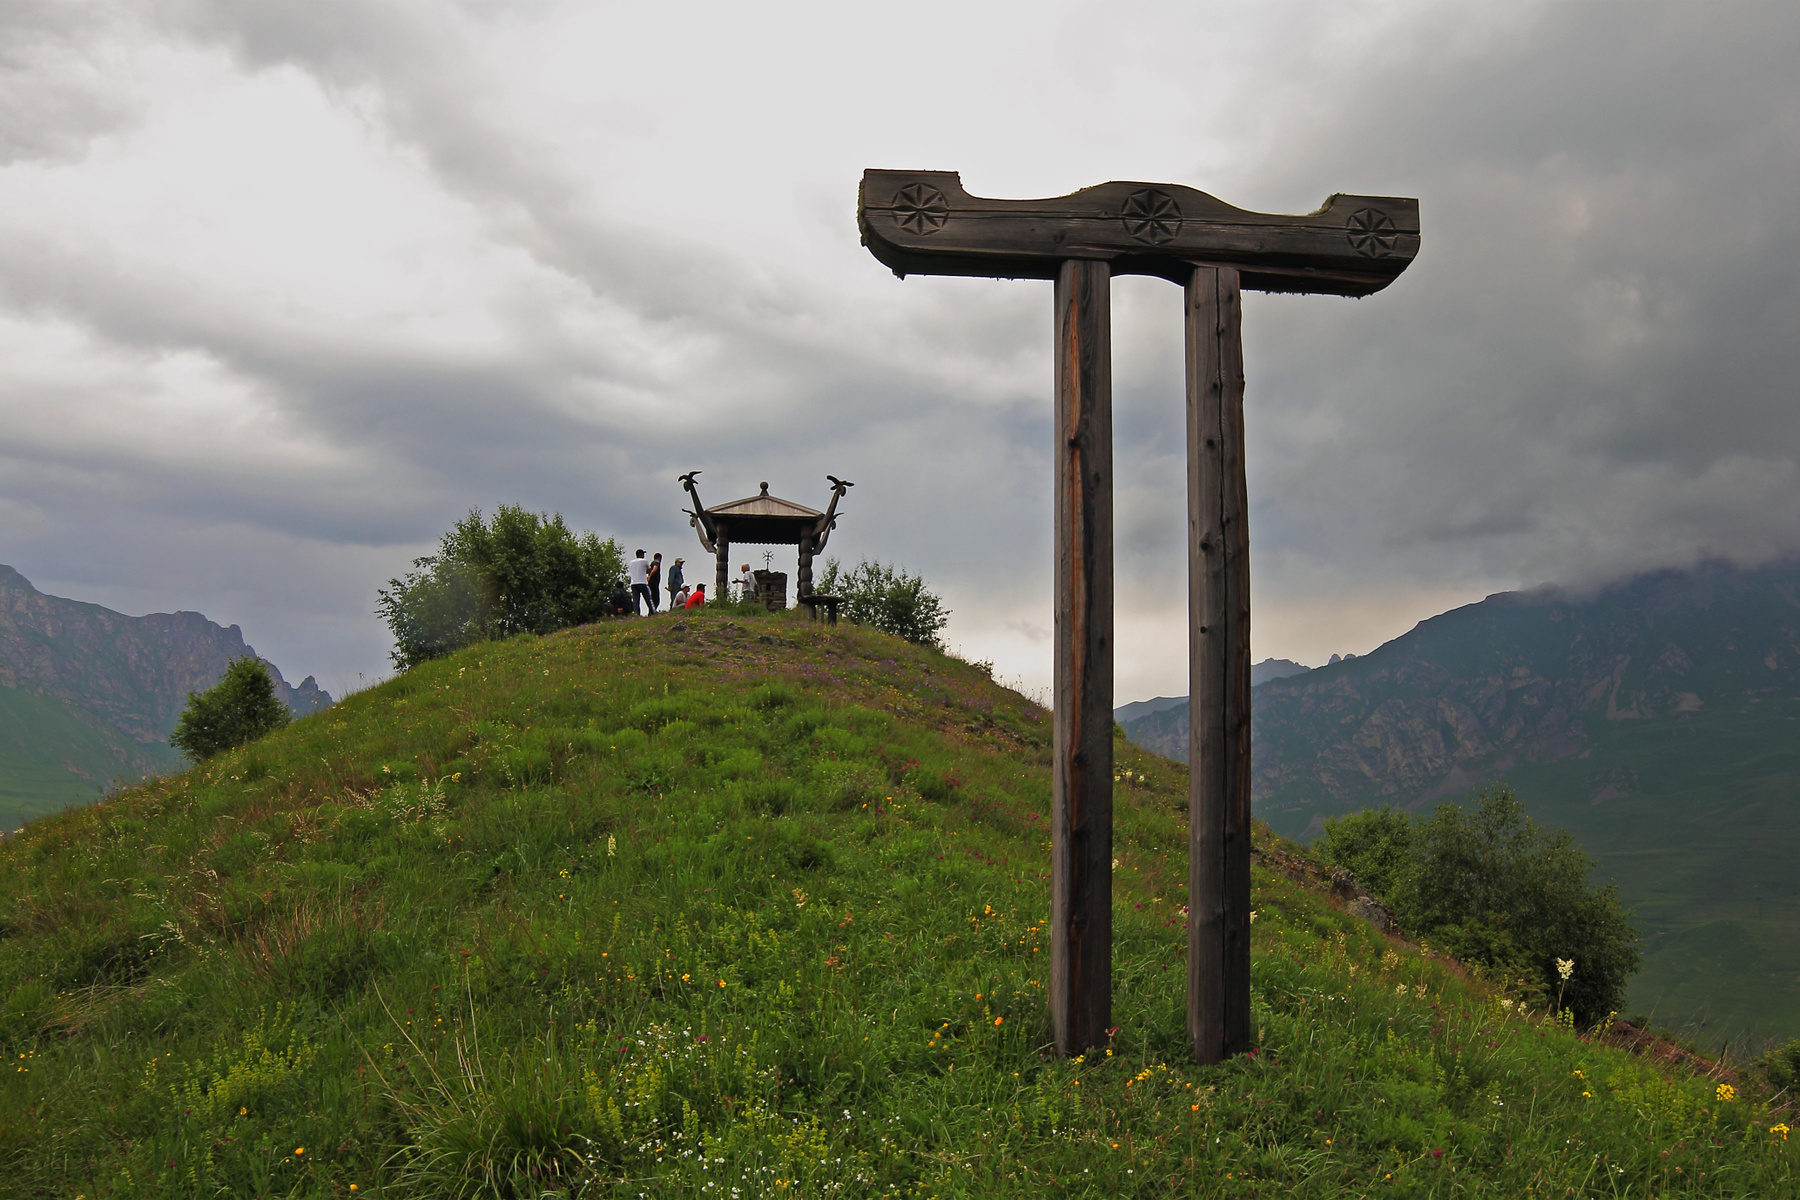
816, 601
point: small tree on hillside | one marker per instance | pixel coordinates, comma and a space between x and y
888, 599
241, 707
521, 572
1491, 886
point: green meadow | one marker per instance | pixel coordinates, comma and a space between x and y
735, 905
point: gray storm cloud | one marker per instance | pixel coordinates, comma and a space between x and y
285, 287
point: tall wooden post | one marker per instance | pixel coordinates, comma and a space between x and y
926, 222
1081, 803
1218, 671
722, 575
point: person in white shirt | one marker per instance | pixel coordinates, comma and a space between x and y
746, 585
638, 569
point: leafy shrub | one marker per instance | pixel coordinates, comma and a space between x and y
521, 572
1493, 887
1375, 845
888, 599
239, 708
1782, 1065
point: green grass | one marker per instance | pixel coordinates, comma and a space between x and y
736, 906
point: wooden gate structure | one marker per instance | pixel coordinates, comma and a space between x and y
763, 520
924, 223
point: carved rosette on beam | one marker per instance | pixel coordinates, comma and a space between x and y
763, 520
924, 223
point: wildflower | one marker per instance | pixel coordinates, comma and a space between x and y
1565, 967
1725, 1093
612, 845
997, 1020
721, 983
299, 1150
1779, 1131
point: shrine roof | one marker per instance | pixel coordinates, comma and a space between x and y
763, 505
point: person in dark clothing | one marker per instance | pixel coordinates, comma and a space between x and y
655, 580
619, 603
675, 582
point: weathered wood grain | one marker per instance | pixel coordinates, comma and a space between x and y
1218, 671
1081, 801
924, 223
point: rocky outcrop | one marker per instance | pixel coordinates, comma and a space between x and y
131, 673
1519, 678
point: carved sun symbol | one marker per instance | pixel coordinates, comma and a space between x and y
1151, 215
920, 208
1371, 232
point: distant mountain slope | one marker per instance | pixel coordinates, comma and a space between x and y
1138, 711
1658, 720
88, 696
1527, 678
1160, 725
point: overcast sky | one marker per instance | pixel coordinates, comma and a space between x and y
286, 287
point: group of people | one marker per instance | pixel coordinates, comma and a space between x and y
645, 578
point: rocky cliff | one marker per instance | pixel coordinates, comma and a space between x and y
133, 672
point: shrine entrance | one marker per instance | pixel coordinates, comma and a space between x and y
764, 520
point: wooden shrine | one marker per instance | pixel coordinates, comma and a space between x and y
764, 520
923, 222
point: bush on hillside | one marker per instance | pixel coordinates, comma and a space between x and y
888, 599
520, 572
1491, 886
241, 707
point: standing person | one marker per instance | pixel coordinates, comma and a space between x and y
746, 584
654, 579
675, 582
699, 596
638, 571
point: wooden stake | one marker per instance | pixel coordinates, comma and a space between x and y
1218, 671
1081, 803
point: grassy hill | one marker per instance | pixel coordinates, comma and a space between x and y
733, 906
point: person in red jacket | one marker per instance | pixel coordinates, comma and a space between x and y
699, 596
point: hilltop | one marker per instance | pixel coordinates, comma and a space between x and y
88, 695
1655, 720
737, 905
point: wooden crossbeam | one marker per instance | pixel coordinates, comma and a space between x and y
923, 222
